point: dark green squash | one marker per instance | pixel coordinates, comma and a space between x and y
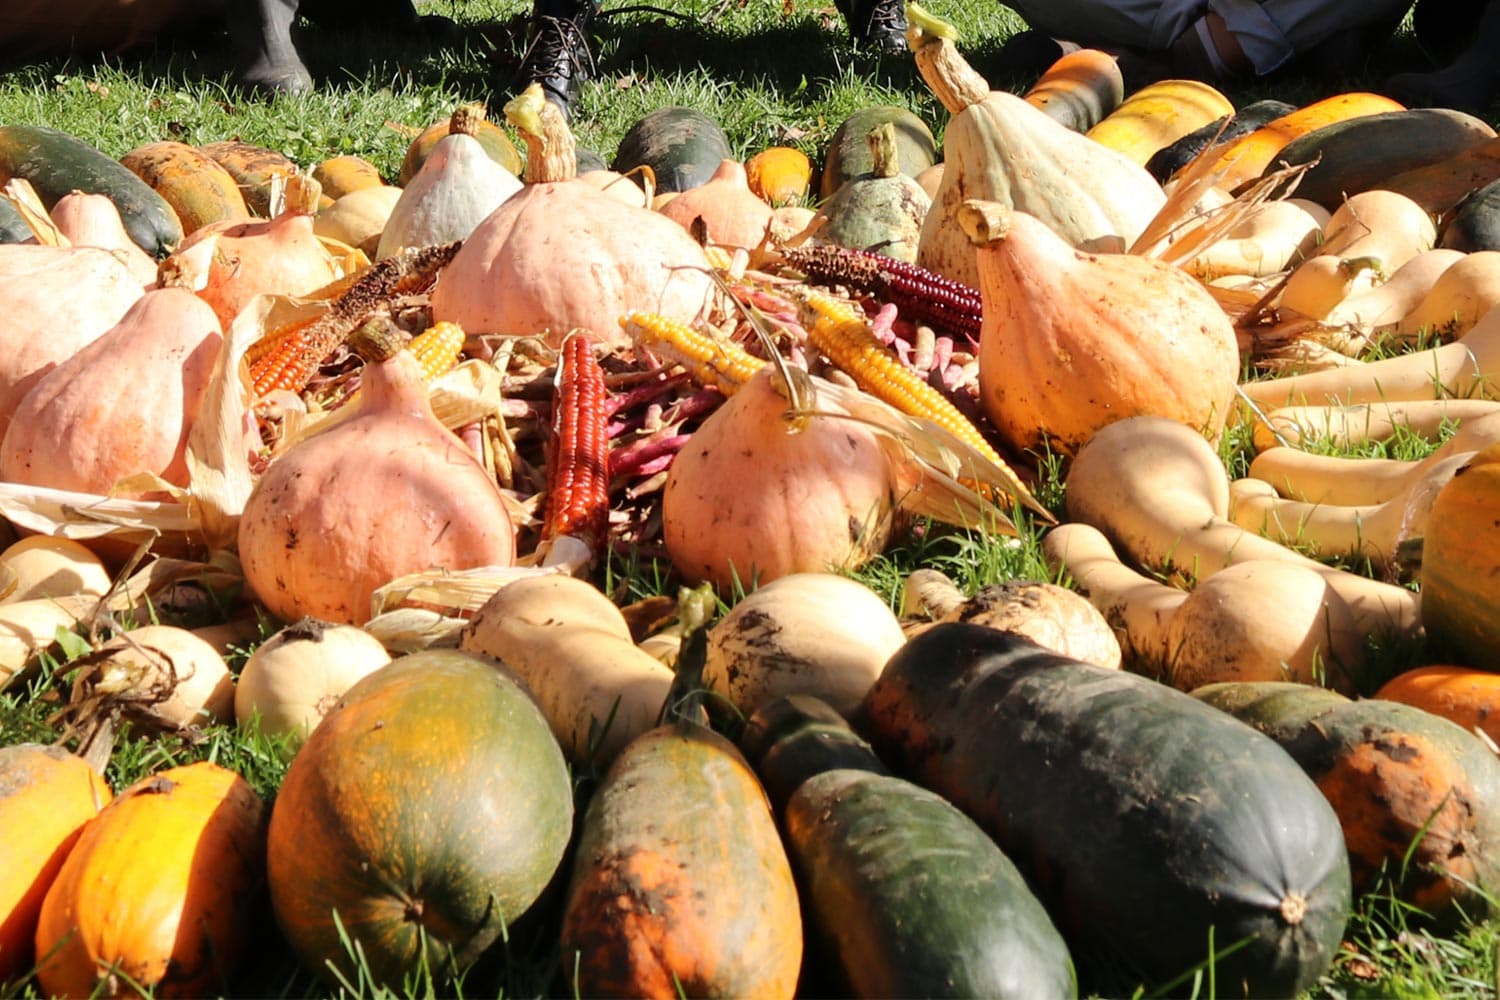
1474, 223
56, 163
1357, 154
848, 154
428, 811
1418, 795
911, 897
1171, 158
1157, 833
13, 228
682, 145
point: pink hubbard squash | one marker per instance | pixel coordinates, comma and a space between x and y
124, 404
384, 492
561, 255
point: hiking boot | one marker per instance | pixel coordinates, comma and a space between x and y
557, 50
876, 25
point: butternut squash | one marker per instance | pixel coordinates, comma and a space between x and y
1222, 629
1270, 238
1350, 481
1159, 491
1348, 425
1360, 318
1465, 368
1323, 530
1457, 299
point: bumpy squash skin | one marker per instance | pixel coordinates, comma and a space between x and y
681, 885
199, 190
1397, 776
46, 797
875, 859
682, 145
1465, 695
56, 163
164, 885
432, 799
1210, 825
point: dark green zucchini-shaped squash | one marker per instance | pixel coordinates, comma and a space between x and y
426, 813
1475, 222
1159, 834
13, 228
1171, 158
1357, 154
849, 154
682, 145
56, 163
1418, 795
909, 896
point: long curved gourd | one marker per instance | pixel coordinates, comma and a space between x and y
1160, 493
997, 147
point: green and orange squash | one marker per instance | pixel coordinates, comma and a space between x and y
422, 816
199, 190
680, 883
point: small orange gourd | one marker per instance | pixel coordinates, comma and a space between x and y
780, 175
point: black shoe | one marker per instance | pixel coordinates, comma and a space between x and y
557, 56
877, 25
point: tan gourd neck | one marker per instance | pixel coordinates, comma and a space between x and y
551, 153
884, 153
376, 340
467, 120
952, 80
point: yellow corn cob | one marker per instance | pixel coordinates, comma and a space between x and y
578, 470
438, 348
841, 332
712, 361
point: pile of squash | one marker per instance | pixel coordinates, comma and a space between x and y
1176, 755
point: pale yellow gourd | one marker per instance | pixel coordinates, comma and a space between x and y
1159, 491
1259, 620
1349, 425
999, 148
1353, 325
1320, 284
359, 217
571, 646
1457, 300
1348, 480
1324, 530
819, 634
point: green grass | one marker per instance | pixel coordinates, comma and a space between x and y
770, 74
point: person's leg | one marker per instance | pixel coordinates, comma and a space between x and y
1469, 83
261, 33
878, 25
557, 49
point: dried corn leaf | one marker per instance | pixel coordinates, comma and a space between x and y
455, 592
20, 193
410, 630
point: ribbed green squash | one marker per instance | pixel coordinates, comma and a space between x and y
427, 811
1357, 154
682, 145
1153, 827
1168, 160
848, 154
1418, 795
56, 163
909, 895
1474, 223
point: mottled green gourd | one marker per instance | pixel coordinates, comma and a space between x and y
881, 211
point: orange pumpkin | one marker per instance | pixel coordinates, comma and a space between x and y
160, 891
779, 175
46, 797
1465, 695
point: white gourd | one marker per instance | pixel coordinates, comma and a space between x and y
458, 186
